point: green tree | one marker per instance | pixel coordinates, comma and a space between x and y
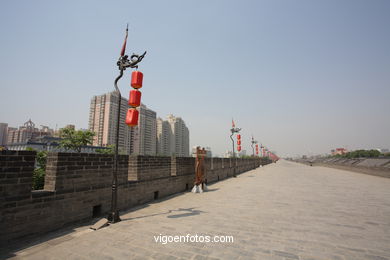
40, 169
38, 179
109, 150
361, 154
74, 140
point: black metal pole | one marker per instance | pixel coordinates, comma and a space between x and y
232, 141
113, 216
122, 63
234, 157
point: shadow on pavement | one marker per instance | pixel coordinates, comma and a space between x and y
52, 238
189, 212
211, 190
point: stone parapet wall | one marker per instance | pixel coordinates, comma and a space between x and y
372, 166
78, 186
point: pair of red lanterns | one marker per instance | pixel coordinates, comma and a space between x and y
239, 142
134, 98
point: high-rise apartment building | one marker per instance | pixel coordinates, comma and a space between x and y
145, 134
132, 140
3, 134
103, 115
180, 141
164, 134
173, 137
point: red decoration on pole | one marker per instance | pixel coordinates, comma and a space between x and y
132, 117
136, 79
125, 41
238, 142
135, 98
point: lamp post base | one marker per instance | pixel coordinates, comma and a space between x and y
113, 217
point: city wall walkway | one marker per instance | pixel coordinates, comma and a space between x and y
281, 211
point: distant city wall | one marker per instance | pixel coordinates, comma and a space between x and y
78, 186
372, 166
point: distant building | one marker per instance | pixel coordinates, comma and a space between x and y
180, 141
71, 127
102, 121
164, 135
383, 150
173, 137
339, 151
27, 132
50, 144
145, 134
3, 134
103, 115
228, 154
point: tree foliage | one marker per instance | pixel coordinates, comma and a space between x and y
75, 140
38, 179
109, 150
361, 154
40, 169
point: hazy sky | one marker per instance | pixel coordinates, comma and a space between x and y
303, 77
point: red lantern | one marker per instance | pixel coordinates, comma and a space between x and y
238, 137
238, 142
136, 79
238, 147
132, 117
135, 98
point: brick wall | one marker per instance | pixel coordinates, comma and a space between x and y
75, 184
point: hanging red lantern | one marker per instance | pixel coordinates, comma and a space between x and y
239, 148
132, 117
135, 98
136, 79
238, 137
238, 142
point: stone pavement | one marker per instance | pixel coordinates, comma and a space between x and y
281, 211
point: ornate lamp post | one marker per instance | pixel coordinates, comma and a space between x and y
252, 143
234, 129
123, 63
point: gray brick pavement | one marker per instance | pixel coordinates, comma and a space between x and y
281, 211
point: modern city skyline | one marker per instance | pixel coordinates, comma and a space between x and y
3, 134
26, 132
303, 77
141, 139
173, 137
103, 114
180, 140
164, 135
145, 134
